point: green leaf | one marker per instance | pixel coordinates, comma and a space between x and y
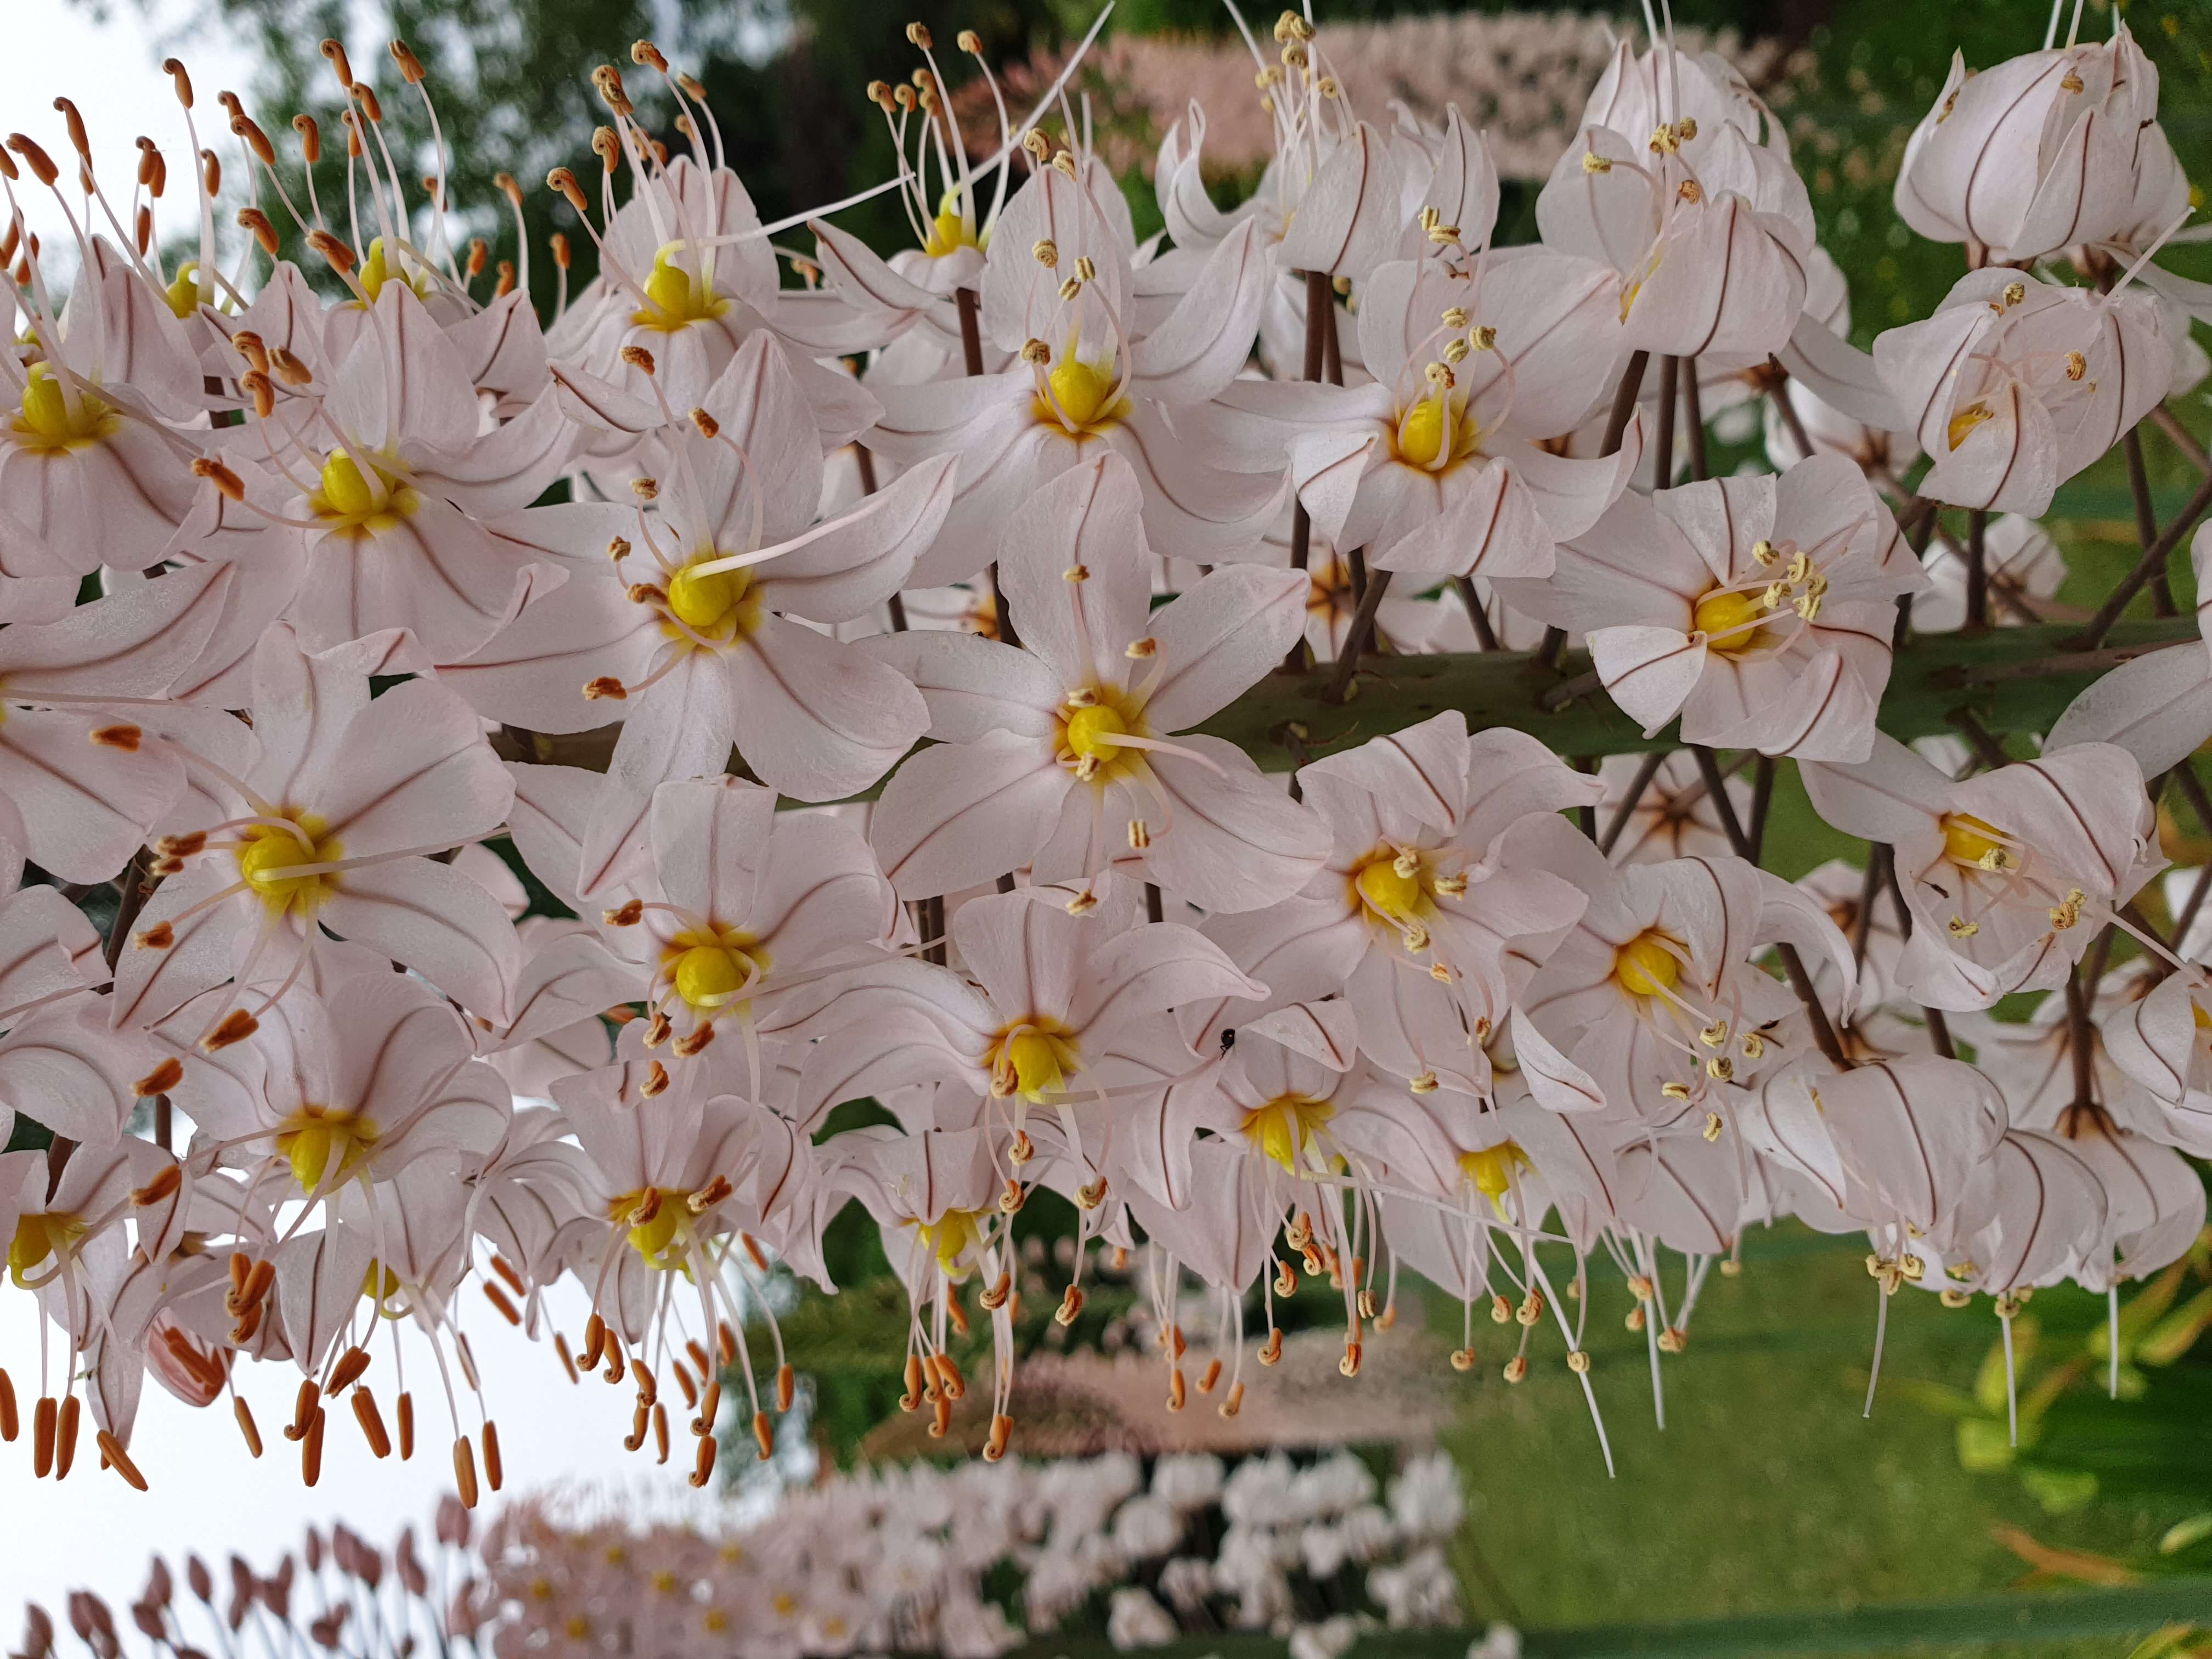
1984, 1446
2059, 1491
1939, 1398
2175, 1334
2182, 1533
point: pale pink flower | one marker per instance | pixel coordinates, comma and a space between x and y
1674, 817
1657, 991
2041, 152
2037, 1214
2020, 562
60, 1065
411, 512
1061, 1011
1682, 187
713, 642
90, 464
1760, 609
358, 1084
1434, 466
2011, 874
1048, 756
1896, 1145
87, 782
1437, 901
686, 274
1096, 377
739, 907
324, 813
2016, 384
2158, 707
2162, 1042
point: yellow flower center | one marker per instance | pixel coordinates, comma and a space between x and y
1035, 1063
376, 270
379, 1284
950, 1238
184, 291
47, 421
1082, 391
1037, 1059
713, 601
1088, 730
353, 499
271, 853
1966, 420
709, 973
1975, 844
1437, 419
1730, 621
1491, 1171
315, 1135
1087, 734
948, 231
678, 298
37, 1237
2204, 1020
1646, 966
656, 1237
1390, 892
1286, 1127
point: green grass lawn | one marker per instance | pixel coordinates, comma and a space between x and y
1767, 1491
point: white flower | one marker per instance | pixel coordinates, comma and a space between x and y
1426, 1498
1133, 1619
1146, 1526
1189, 1480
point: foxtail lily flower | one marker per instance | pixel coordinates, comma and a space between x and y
1044, 756
2009, 874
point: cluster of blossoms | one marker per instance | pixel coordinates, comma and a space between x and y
912, 1559
293, 632
915, 1558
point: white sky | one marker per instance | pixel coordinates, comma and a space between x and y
113, 71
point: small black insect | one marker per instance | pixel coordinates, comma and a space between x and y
1228, 1039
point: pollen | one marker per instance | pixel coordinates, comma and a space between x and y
1491, 1171
350, 498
